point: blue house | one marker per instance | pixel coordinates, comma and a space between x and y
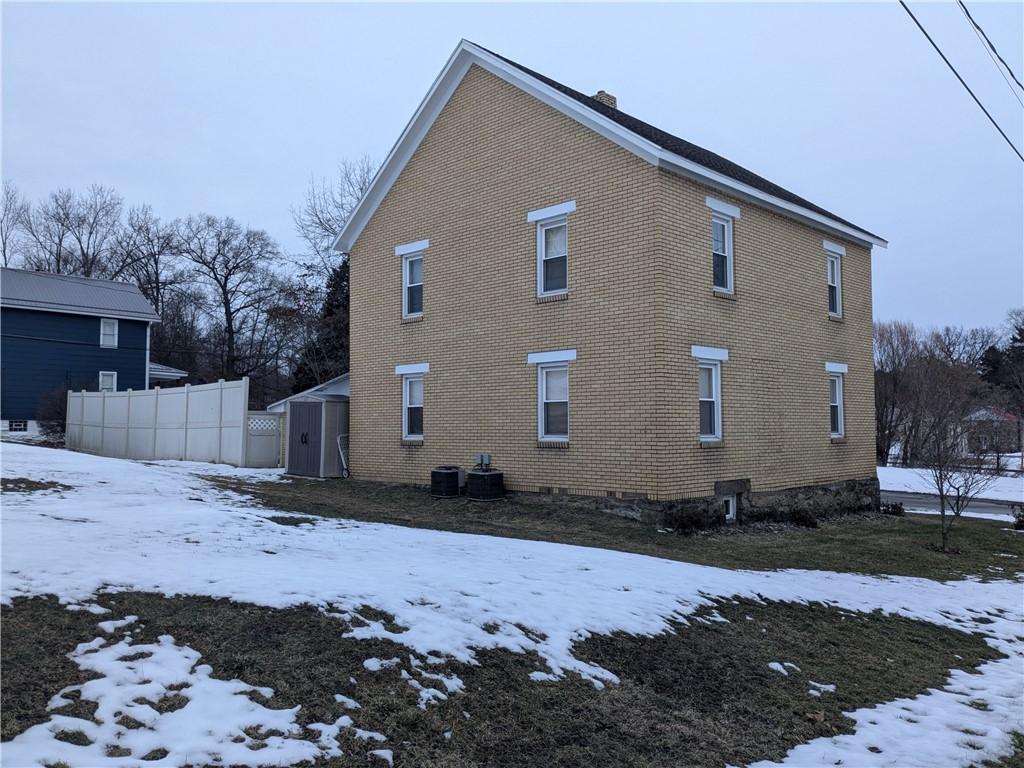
61, 332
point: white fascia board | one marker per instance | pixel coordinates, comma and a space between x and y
557, 356
835, 248
458, 64
552, 211
419, 245
709, 353
722, 207
412, 369
837, 368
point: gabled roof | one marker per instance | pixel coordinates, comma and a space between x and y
653, 144
335, 388
70, 294
161, 372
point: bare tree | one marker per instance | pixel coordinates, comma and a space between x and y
12, 211
950, 393
897, 346
70, 233
964, 346
328, 204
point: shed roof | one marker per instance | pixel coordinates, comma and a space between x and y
71, 294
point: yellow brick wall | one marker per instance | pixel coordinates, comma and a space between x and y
639, 296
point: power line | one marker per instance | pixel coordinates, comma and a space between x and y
980, 34
962, 81
977, 26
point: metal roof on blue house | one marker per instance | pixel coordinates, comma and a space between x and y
71, 294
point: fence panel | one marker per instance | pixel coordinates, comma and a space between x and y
207, 422
263, 436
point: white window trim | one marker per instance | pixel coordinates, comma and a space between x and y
728, 210
731, 503
714, 354
406, 378
837, 368
716, 390
415, 247
406, 285
558, 221
556, 356
838, 377
725, 221
116, 332
835, 248
541, 368
107, 373
412, 369
838, 259
552, 211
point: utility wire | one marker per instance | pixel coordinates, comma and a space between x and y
977, 26
980, 34
962, 81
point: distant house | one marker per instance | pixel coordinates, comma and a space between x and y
992, 430
65, 332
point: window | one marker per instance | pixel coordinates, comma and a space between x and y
108, 332
835, 296
412, 285
108, 381
20, 425
552, 257
835, 402
731, 504
709, 398
721, 253
412, 407
553, 401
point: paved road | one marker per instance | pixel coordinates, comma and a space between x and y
923, 501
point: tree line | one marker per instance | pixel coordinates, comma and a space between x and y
961, 386
231, 302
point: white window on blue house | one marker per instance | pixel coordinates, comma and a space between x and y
108, 332
108, 381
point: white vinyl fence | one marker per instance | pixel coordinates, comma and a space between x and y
208, 422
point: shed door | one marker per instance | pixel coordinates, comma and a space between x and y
304, 439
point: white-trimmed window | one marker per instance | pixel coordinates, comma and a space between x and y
412, 284
108, 332
721, 253
108, 381
834, 278
731, 505
837, 419
552, 257
553, 401
412, 406
709, 395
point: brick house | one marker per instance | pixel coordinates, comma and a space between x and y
605, 308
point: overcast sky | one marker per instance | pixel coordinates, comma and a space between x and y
230, 109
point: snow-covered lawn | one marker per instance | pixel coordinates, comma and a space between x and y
907, 480
160, 528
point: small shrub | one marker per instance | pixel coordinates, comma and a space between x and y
804, 517
51, 414
894, 508
689, 518
1018, 517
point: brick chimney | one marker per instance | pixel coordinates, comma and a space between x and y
607, 99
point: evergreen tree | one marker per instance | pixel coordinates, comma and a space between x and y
325, 355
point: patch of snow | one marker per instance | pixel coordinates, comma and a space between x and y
162, 529
384, 754
909, 480
819, 688
791, 665
346, 702
376, 665
979, 514
778, 668
110, 626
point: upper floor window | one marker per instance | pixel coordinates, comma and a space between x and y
108, 381
552, 248
834, 272
108, 332
412, 276
722, 217
709, 390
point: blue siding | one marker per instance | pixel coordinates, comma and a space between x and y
44, 351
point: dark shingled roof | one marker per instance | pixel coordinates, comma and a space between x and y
22, 289
681, 147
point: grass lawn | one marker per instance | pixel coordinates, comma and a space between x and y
876, 544
700, 696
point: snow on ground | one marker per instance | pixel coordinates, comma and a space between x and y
907, 480
1003, 517
160, 528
